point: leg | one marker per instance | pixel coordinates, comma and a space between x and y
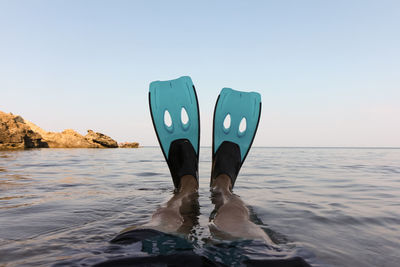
180, 213
232, 217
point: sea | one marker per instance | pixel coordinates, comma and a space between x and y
329, 206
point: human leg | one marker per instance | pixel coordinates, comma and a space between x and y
179, 214
232, 218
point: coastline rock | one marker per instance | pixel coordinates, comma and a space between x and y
101, 139
17, 133
66, 139
129, 145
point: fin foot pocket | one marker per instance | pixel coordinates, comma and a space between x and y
227, 161
182, 160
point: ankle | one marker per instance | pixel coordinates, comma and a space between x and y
222, 184
188, 184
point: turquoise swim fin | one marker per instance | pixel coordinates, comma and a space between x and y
236, 118
175, 114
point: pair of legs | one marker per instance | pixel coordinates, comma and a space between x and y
231, 221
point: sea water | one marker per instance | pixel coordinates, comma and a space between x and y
330, 206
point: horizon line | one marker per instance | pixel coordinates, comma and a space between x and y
344, 147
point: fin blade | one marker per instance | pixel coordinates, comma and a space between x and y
238, 105
172, 96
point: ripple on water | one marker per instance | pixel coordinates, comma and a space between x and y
146, 174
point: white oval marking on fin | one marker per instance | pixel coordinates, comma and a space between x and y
243, 125
227, 121
184, 116
167, 119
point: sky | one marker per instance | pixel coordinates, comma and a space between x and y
328, 71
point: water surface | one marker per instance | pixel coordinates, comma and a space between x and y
331, 206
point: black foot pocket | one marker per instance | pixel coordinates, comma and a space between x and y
227, 160
182, 160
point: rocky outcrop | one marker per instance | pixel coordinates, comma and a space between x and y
129, 145
17, 133
101, 139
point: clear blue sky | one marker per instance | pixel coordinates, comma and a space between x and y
328, 71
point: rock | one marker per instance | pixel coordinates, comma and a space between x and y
66, 139
101, 139
18, 119
129, 145
16, 134
72, 139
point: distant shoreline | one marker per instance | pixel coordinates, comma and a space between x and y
17, 133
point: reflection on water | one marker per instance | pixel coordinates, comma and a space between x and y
333, 207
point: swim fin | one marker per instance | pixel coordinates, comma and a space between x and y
175, 114
236, 118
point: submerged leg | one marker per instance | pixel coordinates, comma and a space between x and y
180, 213
232, 218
